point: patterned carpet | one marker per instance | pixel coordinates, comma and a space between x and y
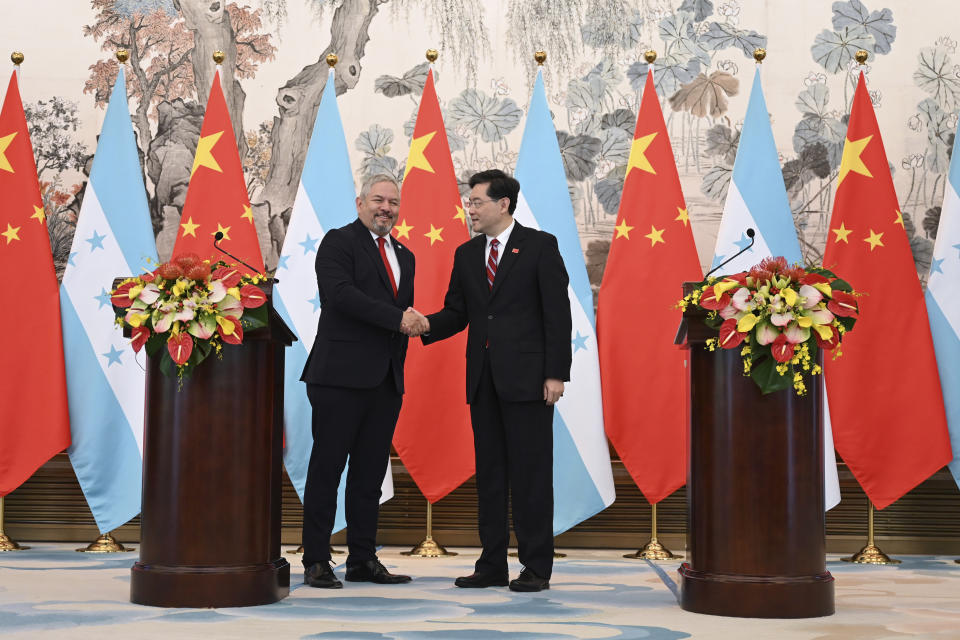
53, 592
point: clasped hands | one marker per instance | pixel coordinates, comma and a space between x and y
414, 323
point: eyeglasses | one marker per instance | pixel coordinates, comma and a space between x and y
476, 202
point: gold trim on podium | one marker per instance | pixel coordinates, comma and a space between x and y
105, 543
428, 547
871, 553
6, 544
653, 550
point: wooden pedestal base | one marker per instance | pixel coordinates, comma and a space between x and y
223, 586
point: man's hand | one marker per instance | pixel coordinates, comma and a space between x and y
552, 390
414, 323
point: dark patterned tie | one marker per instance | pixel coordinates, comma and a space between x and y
492, 262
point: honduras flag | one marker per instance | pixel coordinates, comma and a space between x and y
105, 383
582, 476
325, 200
757, 199
943, 303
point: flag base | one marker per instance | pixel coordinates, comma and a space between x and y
428, 548
871, 554
653, 550
6, 544
106, 543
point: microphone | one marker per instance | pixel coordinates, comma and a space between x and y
218, 236
750, 234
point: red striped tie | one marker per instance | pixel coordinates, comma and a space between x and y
492, 262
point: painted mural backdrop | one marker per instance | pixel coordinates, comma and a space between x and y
274, 76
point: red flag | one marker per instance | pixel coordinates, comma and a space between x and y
33, 387
641, 371
217, 199
433, 435
885, 400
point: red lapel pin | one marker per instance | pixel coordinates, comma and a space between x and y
515, 250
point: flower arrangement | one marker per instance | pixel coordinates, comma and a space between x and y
191, 306
779, 315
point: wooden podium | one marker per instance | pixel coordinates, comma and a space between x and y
755, 532
210, 520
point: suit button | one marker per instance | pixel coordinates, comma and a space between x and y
489, 317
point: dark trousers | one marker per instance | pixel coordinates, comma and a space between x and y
514, 451
358, 423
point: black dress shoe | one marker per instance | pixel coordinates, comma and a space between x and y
477, 580
321, 576
373, 571
529, 581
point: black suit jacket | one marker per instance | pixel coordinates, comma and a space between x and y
523, 322
358, 334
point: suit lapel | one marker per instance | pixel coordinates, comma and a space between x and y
370, 247
508, 257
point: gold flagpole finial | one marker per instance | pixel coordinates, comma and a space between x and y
540, 57
650, 56
16, 57
219, 56
861, 56
123, 55
759, 54
432, 55
332, 60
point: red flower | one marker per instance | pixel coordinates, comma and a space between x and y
794, 273
844, 304
831, 344
709, 301
251, 297
814, 278
781, 349
729, 336
169, 271
198, 272
180, 346
230, 276
149, 276
186, 261
231, 338
121, 297
138, 338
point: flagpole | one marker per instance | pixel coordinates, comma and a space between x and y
871, 553
105, 543
428, 547
654, 549
6, 544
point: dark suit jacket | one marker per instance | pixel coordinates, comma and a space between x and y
523, 322
358, 334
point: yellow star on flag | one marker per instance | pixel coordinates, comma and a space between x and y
247, 213
842, 233
224, 230
852, 149
623, 230
189, 228
434, 234
4, 143
899, 219
403, 229
39, 214
655, 235
683, 217
461, 216
874, 240
637, 151
416, 158
11, 233
204, 157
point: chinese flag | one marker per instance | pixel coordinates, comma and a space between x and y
33, 386
217, 199
433, 435
651, 254
884, 391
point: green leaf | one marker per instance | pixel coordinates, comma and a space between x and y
841, 285
766, 376
155, 343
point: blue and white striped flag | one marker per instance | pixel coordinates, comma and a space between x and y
325, 200
943, 303
757, 199
105, 383
582, 476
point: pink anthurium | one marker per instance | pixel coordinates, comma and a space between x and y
150, 293
796, 334
742, 299
766, 332
811, 296
230, 306
728, 312
203, 327
781, 319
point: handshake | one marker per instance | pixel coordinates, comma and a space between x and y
414, 323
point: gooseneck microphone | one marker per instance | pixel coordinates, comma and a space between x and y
218, 236
750, 234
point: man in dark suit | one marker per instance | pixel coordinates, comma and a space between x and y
354, 379
509, 285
